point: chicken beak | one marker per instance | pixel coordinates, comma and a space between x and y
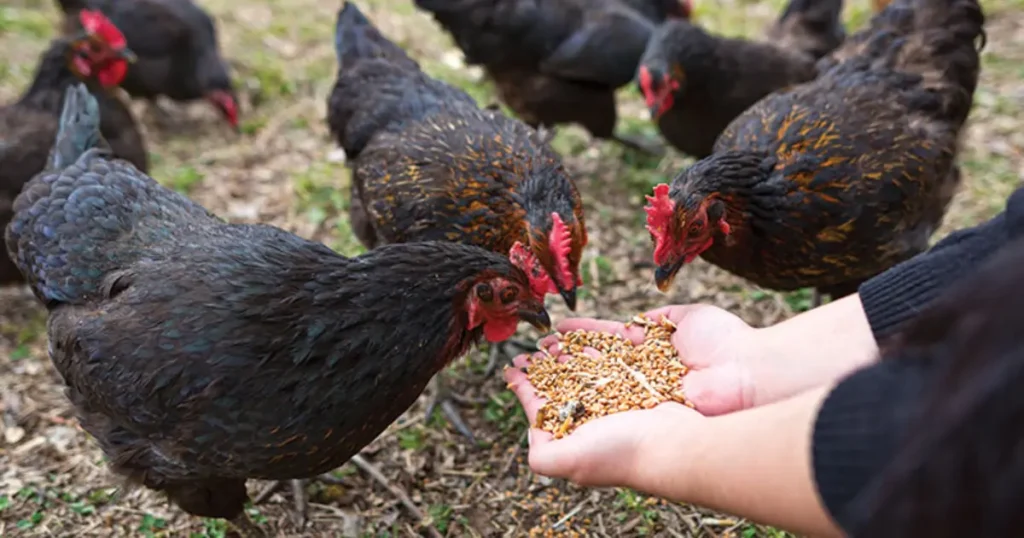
570, 297
538, 319
127, 55
664, 275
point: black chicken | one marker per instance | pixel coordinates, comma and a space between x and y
696, 82
95, 53
558, 61
177, 48
201, 354
429, 164
834, 181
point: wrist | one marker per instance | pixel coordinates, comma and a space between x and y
669, 456
815, 348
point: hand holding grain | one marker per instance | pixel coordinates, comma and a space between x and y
717, 347
620, 449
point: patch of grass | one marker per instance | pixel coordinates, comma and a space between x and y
753, 531
184, 179
25, 22
639, 505
266, 80
321, 190
151, 526
411, 438
799, 300
212, 528
440, 516
504, 411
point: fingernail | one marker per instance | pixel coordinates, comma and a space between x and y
529, 437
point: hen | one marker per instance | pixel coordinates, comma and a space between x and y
429, 164
200, 354
831, 182
177, 48
695, 82
558, 61
96, 53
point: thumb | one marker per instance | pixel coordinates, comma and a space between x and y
562, 458
716, 391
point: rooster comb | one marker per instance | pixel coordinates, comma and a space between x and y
523, 258
95, 23
559, 242
660, 209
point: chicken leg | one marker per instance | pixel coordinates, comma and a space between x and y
299, 496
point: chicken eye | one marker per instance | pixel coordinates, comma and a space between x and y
509, 294
484, 292
696, 227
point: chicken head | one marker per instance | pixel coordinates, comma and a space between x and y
99, 51
498, 303
681, 232
552, 260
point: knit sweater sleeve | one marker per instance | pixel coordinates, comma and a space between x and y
858, 429
895, 296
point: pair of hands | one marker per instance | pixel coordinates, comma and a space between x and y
718, 347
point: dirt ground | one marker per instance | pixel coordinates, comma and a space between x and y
283, 169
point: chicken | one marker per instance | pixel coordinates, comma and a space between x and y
96, 53
695, 82
558, 61
831, 182
177, 48
429, 164
201, 354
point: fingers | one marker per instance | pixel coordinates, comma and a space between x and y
520, 385
634, 334
676, 313
551, 458
714, 391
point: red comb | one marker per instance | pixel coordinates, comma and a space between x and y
659, 214
559, 242
540, 281
95, 23
645, 85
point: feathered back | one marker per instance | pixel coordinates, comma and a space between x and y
90, 213
935, 40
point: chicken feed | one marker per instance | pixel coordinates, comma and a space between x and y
625, 377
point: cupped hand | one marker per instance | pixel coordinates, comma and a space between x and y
616, 450
716, 345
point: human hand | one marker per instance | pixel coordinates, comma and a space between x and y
628, 449
735, 366
716, 345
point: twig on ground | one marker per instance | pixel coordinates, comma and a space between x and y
375, 473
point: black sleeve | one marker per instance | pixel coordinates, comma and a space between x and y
895, 296
858, 429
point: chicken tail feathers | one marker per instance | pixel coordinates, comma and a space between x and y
356, 38
936, 42
814, 27
79, 128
